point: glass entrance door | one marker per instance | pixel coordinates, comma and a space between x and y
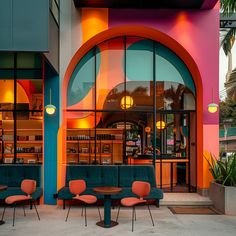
175, 158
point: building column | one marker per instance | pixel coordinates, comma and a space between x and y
51, 125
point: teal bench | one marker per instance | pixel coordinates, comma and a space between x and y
11, 175
110, 175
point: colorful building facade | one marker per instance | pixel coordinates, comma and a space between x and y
132, 87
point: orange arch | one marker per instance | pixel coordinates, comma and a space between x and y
158, 36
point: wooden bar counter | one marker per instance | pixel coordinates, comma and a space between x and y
169, 168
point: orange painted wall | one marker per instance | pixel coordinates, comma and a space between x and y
94, 21
209, 144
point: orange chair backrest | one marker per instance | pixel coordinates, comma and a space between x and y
141, 188
77, 186
28, 186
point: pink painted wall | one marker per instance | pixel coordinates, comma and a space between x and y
210, 132
196, 30
210, 146
208, 4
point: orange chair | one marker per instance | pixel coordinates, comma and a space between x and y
28, 186
77, 187
141, 189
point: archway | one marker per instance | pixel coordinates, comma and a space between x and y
154, 35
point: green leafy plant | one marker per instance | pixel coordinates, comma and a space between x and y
223, 170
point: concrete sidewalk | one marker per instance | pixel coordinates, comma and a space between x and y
166, 224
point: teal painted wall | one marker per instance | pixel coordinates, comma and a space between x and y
24, 25
51, 125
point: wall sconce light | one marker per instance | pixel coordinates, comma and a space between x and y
126, 102
160, 124
50, 109
212, 107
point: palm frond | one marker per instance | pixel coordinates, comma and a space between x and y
228, 7
223, 170
228, 41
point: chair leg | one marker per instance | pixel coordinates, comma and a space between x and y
133, 218
99, 213
14, 213
36, 210
134, 214
64, 204
150, 215
4, 212
68, 212
24, 209
118, 213
85, 215
82, 212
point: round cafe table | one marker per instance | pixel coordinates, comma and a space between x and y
2, 188
107, 192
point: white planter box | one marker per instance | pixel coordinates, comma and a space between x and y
223, 198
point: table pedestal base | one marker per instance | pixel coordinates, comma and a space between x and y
112, 224
2, 222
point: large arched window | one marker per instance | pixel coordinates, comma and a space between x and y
126, 65
119, 91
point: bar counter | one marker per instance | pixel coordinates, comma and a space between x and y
169, 168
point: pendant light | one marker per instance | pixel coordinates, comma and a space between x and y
212, 107
50, 109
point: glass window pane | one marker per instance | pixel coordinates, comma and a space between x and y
30, 96
7, 60
139, 134
81, 119
139, 68
80, 137
29, 66
110, 74
81, 88
110, 138
139, 95
28, 60
177, 97
29, 136
169, 67
8, 138
1, 143
139, 59
6, 95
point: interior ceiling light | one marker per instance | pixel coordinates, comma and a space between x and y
160, 124
126, 102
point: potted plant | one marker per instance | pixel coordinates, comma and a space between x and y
222, 190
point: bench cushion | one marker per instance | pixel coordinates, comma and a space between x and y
93, 175
12, 175
129, 173
122, 176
